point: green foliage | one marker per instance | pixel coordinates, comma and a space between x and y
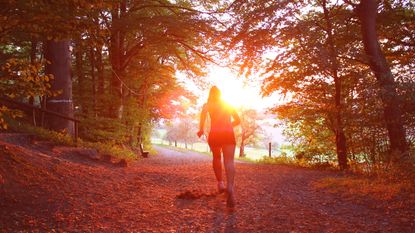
278, 160
43, 20
311, 140
102, 129
110, 148
304, 63
115, 150
53, 136
21, 79
8, 113
154, 40
286, 160
127, 54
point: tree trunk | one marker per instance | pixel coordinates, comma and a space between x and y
100, 88
341, 147
139, 135
93, 87
81, 77
116, 54
399, 149
242, 150
100, 71
33, 51
57, 53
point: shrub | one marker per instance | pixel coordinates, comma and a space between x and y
112, 148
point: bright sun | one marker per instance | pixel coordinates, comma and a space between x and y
233, 89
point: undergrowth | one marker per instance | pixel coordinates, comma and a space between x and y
290, 161
381, 183
107, 147
375, 187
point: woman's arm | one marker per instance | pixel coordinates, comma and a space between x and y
236, 120
202, 121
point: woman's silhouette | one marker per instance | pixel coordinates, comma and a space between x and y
221, 139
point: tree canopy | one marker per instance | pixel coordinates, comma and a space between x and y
345, 68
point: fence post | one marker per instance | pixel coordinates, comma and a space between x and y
269, 149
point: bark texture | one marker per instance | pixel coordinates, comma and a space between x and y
399, 149
58, 55
117, 49
341, 146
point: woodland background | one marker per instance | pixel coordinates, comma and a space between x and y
348, 79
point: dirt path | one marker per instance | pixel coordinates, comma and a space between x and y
77, 195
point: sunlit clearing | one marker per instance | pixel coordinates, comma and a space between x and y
233, 89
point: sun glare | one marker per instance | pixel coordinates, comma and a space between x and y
233, 89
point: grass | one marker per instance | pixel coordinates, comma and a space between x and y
181, 149
253, 155
116, 151
377, 188
381, 183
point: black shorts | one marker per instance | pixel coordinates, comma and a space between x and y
216, 139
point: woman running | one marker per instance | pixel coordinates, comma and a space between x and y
221, 139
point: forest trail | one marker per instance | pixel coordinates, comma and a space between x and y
41, 190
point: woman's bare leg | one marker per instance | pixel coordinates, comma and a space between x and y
216, 162
228, 160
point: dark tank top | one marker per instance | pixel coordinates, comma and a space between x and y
221, 130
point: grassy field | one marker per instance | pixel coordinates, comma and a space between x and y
251, 153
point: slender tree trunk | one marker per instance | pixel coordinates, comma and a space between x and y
94, 95
81, 77
101, 92
33, 51
115, 85
341, 147
139, 135
399, 149
242, 149
58, 54
100, 71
